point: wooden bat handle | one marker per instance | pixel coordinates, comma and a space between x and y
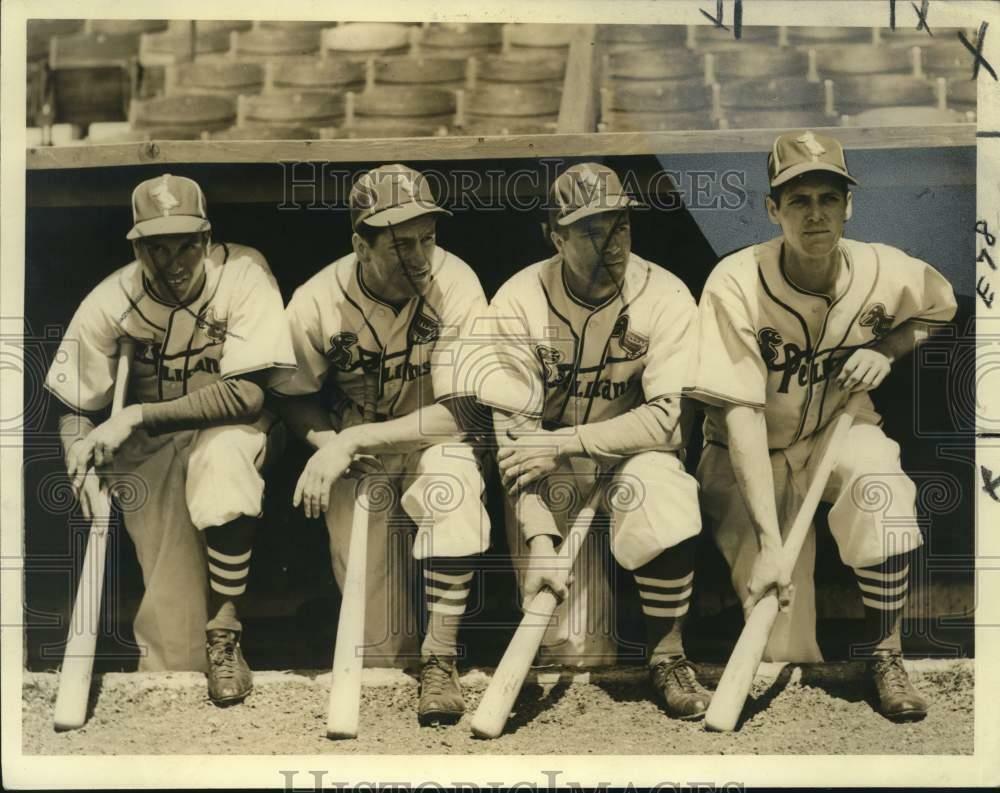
734, 686
496, 704
81, 645
344, 707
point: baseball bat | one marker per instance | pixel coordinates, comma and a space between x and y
734, 685
78, 657
344, 708
498, 700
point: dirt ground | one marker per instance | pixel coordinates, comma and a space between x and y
793, 710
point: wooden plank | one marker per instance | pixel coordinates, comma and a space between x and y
578, 108
582, 144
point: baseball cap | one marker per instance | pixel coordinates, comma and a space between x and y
587, 189
796, 153
168, 204
390, 195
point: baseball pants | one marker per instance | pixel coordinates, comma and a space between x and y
873, 517
651, 504
184, 482
433, 508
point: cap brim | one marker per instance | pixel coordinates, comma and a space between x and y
173, 224
614, 203
807, 167
393, 216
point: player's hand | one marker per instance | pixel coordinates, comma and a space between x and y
325, 467
864, 370
769, 572
545, 570
90, 493
528, 459
99, 446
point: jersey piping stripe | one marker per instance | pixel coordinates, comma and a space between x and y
805, 330
576, 343
819, 343
368, 292
840, 345
137, 310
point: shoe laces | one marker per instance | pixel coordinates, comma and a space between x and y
890, 669
222, 655
436, 676
682, 671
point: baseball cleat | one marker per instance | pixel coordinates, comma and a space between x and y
677, 684
894, 694
229, 678
441, 699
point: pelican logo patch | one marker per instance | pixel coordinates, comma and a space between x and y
769, 340
878, 320
633, 344
341, 352
813, 146
163, 198
214, 326
424, 330
553, 369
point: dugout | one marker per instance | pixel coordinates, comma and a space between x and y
917, 192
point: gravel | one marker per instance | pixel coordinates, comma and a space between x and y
820, 710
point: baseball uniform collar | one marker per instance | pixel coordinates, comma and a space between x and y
633, 279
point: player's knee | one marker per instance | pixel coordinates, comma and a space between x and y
237, 448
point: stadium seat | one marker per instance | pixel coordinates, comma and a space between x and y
182, 116
623, 67
679, 96
295, 25
460, 40
776, 119
264, 132
40, 31
365, 39
315, 74
520, 67
550, 39
904, 116
862, 59
947, 59
304, 109
157, 50
91, 77
264, 43
775, 94
119, 27
711, 38
423, 107
738, 63
853, 95
496, 106
822, 36
373, 128
655, 122
633, 37
221, 76
505, 125
962, 94
421, 70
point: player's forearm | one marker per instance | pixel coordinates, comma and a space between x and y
748, 453
654, 426
305, 417
537, 524
417, 430
236, 400
903, 340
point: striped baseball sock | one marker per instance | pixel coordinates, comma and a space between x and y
665, 586
229, 550
883, 593
446, 587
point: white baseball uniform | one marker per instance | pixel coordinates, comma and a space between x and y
190, 480
569, 363
766, 343
339, 328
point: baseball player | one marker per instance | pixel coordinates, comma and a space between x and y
380, 331
208, 322
788, 330
594, 345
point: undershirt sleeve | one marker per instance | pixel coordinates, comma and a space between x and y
654, 426
233, 400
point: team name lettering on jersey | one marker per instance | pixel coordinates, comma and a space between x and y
800, 364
